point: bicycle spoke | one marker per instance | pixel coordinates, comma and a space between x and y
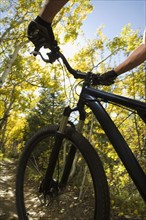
68, 199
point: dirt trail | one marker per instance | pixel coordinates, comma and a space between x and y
7, 192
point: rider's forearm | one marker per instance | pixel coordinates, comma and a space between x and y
137, 57
51, 8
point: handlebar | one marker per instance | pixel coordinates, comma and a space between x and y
53, 56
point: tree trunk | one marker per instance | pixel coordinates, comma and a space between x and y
10, 63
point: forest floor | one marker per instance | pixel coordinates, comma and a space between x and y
7, 191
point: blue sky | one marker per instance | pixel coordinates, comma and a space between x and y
115, 15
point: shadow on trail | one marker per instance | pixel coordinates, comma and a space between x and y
7, 189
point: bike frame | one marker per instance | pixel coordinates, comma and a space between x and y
92, 98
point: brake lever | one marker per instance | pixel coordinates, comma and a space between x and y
35, 53
52, 56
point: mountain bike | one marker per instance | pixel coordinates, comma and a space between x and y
49, 183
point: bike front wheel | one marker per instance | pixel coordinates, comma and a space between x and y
85, 194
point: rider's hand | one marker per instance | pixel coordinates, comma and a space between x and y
107, 78
40, 33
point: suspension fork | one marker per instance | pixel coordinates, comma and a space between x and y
48, 178
72, 152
